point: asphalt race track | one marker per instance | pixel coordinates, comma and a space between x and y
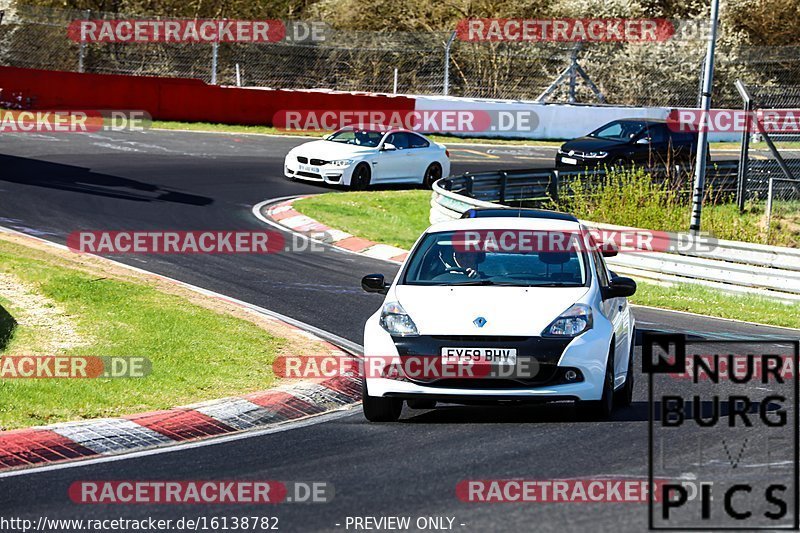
53, 185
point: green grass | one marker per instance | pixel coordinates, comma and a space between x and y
269, 130
398, 218
444, 139
632, 198
389, 217
196, 354
707, 301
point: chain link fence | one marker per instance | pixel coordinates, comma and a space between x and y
766, 173
652, 74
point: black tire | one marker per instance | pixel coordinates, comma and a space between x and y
432, 174
361, 177
624, 396
421, 403
601, 409
377, 409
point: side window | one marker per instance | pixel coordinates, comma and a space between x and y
399, 139
657, 134
415, 141
600, 268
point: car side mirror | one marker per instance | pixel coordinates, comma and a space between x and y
619, 287
643, 140
375, 283
387, 147
608, 249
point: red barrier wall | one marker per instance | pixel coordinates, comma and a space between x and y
179, 98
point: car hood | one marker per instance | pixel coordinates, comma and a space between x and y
329, 150
448, 310
590, 144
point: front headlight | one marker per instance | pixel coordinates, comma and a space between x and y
571, 323
597, 155
342, 162
396, 321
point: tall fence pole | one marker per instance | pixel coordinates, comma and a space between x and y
214, 54
238, 76
446, 87
769, 206
82, 48
702, 141
394, 87
741, 188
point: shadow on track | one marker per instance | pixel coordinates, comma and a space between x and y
553, 413
83, 180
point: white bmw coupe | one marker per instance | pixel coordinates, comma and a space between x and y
357, 157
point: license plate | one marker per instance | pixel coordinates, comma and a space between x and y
308, 168
569, 160
493, 356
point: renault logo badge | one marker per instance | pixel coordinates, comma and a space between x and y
480, 321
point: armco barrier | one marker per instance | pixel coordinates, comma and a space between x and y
728, 265
180, 99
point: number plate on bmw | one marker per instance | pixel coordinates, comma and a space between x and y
494, 356
308, 168
569, 160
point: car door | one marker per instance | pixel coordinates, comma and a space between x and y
393, 164
421, 154
617, 312
659, 153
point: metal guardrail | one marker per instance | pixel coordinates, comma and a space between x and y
505, 186
728, 265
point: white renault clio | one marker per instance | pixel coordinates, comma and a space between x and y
487, 309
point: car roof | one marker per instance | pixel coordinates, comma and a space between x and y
378, 128
507, 223
484, 212
645, 120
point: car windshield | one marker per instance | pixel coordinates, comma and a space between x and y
439, 260
368, 138
619, 130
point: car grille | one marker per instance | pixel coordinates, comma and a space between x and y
315, 162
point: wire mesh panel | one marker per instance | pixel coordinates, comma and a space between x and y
760, 166
663, 73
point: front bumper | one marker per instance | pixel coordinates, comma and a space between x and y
586, 354
580, 162
325, 174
